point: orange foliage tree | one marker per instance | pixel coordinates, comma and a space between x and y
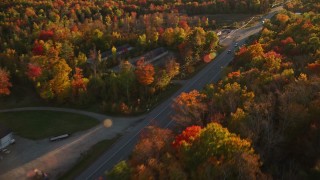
282, 18
78, 83
145, 73
190, 108
314, 67
187, 136
153, 142
4, 82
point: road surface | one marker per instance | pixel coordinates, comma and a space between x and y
56, 157
161, 115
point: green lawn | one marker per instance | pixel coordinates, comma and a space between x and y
88, 158
44, 124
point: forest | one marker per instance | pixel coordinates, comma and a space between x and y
261, 121
65, 52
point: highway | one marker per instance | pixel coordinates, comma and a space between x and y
161, 114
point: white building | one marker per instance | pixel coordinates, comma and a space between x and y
6, 137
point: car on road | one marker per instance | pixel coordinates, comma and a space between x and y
236, 45
229, 51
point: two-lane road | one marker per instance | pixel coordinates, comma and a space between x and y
161, 115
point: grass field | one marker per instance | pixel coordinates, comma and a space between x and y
88, 158
44, 124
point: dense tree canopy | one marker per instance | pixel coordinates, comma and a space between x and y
49, 42
209, 153
257, 117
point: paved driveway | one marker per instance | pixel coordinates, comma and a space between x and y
57, 157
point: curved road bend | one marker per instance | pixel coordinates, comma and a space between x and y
161, 115
59, 156
99, 117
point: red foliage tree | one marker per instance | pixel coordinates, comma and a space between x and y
4, 82
234, 74
34, 71
184, 25
288, 40
38, 48
307, 25
187, 136
272, 54
45, 35
78, 82
160, 30
242, 50
277, 49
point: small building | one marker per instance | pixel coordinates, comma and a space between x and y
6, 137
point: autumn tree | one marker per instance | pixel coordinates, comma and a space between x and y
168, 36
227, 98
162, 80
282, 18
78, 83
190, 108
216, 153
272, 61
38, 48
121, 171
145, 73
142, 41
34, 71
45, 35
187, 136
211, 41
5, 83
152, 143
151, 156
67, 53
197, 40
314, 67
60, 83
81, 59
172, 68
253, 54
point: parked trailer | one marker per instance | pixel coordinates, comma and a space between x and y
56, 138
